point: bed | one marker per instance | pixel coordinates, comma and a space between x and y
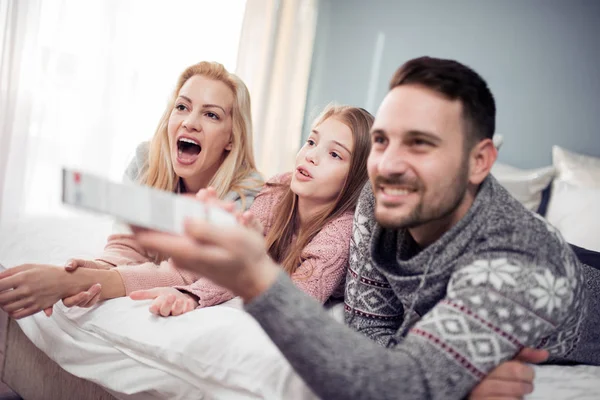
118, 350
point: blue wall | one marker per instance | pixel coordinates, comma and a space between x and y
541, 59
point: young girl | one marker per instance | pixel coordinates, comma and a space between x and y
306, 215
204, 138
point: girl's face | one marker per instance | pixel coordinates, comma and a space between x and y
199, 130
322, 164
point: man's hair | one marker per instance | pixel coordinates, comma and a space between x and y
455, 81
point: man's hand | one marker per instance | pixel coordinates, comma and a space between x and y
233, 257
511, 380
167, 301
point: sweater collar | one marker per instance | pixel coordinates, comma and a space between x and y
395, 251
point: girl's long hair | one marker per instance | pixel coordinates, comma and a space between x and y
281, 245
238, 163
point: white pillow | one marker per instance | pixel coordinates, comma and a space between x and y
575, 201
576, 169
575, 212
51, 240
524, 185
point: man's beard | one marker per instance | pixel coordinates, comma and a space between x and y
421, 213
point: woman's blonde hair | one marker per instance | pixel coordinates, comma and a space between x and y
238, 163
285, 240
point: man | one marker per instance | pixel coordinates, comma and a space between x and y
452, 276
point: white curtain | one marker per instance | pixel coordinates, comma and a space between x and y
83, 82
18, 29
274, 60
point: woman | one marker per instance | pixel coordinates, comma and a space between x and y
305, 215
203, 138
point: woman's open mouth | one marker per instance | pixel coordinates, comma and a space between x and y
188, 150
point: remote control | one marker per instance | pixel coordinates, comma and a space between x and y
136, 204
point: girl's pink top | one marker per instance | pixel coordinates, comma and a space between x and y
322, 271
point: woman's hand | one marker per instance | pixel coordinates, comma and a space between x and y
233, 257
85, 299
75, 263
29, 288
91, 296
167, 301
511, 380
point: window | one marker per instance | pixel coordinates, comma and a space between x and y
101, 74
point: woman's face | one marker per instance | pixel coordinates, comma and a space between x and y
322, 164
200, 130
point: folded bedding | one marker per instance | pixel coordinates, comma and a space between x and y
218, 352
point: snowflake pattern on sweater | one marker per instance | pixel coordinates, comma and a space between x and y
500, 280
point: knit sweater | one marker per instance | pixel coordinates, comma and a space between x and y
135, 265
499, 280
325, 257
319, 275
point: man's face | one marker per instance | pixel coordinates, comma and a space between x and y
418, 164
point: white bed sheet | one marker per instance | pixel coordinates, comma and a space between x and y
92, 358
212, 353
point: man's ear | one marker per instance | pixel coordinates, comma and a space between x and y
482, 157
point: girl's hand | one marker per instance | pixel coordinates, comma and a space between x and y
209, 196
250, 221
29, 288
233, 257
167, 301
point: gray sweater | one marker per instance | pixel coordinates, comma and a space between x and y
440, 318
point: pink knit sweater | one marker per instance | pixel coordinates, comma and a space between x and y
321, 272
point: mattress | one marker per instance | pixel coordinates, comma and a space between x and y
34, 376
